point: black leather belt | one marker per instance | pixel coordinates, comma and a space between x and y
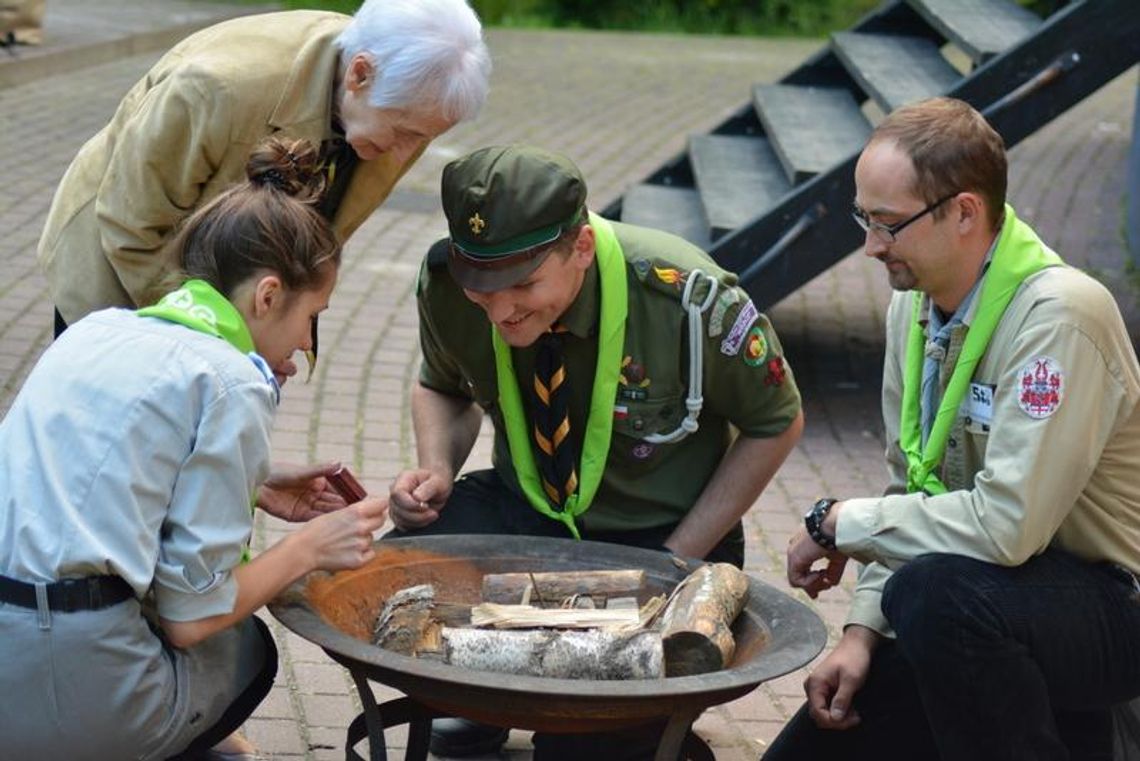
69, 595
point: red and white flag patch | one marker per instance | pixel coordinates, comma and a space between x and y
1041, 387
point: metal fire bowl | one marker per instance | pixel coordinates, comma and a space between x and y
774, 634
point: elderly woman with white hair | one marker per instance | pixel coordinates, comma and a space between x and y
372, 89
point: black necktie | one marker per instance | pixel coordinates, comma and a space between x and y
557, 461
339, 161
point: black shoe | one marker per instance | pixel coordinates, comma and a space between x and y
458, 738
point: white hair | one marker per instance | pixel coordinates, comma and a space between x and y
426, 52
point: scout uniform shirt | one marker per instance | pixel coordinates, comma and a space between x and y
1045, 449
139, 465
746, 381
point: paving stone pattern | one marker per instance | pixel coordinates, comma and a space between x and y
620, 105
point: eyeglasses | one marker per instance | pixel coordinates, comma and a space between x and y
890, 233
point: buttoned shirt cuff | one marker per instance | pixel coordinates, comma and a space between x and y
862, 520
858, 522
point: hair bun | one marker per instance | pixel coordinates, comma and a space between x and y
289, 165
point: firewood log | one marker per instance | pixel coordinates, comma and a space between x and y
556, 654
551, 588
696, 624
411, 619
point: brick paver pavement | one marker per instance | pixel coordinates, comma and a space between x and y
619, 104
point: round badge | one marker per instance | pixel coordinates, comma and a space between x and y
755, 347
1041, 387
642, 450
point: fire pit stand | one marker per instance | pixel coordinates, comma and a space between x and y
774, 635
376, 717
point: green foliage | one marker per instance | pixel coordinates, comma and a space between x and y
782, 17
809, 17
1042, 8
340, 6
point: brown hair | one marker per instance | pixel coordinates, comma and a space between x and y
268, 222
953, 149
563, 245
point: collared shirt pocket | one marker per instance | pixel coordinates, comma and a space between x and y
636, 419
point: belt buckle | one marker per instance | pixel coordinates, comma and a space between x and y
78, 594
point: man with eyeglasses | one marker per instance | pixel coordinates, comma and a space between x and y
996, 612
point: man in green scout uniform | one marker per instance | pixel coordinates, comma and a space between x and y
637, 395
996, 615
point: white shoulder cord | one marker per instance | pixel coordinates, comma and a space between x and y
694, 401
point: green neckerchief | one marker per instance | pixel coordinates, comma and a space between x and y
596, 442
1018, 254
199, 306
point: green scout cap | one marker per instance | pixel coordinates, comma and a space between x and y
503, 203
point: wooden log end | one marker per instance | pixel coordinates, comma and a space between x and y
688, 653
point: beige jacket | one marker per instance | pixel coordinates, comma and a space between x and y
181, 136
1024, 468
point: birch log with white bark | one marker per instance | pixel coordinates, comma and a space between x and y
556, 654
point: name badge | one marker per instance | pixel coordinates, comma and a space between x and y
980, 404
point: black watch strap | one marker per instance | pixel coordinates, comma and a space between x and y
813, 522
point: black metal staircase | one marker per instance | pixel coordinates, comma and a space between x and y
767, 192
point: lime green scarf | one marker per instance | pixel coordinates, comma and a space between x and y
596, 442
199, 306
1019, 253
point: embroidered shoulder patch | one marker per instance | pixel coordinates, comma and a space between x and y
716, 319
671, 276
732, 342
755, 347
1041, 387
776, 372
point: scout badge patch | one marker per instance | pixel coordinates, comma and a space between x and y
670, 276
732, 342
755, 347
1041, 387
720, 308
980, 405
642, 450
633, 381
776, 372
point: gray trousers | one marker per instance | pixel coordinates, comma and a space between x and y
102, 684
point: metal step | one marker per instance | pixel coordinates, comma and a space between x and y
892, 55
738, 178
811, 129
981, 28
677, 210
894, 70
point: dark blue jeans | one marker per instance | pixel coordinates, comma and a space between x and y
991, 662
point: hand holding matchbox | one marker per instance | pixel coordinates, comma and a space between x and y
346, 485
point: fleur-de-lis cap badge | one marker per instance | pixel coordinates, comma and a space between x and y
476, 223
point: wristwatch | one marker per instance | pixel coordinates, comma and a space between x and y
813, 522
